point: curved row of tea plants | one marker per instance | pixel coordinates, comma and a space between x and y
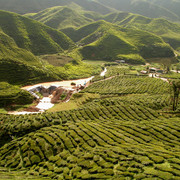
127, 108
112, 71
129, 85
99, 149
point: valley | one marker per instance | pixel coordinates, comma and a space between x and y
89, 89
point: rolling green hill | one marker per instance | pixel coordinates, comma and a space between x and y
19, 66
169, 31
68, 19
31, 6
32, 35
9, 50
60, 17
172, 5
103, 40
148, 8
123, 137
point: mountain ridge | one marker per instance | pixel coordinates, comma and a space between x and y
32, 35
103, 40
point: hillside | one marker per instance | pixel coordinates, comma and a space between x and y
60, 17
66, 18
32, 6
169, 31
122, 137
32, 35
103, 40
9, 50
171, 5
19, 66
148, 8
10, 94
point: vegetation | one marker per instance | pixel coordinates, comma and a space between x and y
113, 71
168, 30
33, 6
10, 95
110, 138
152, 9
129, 85
31, 35
105, 41
60, 17
19, 66
77, 100
98, 135
122, 126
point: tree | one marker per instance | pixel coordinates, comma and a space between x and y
177, 67
176, 90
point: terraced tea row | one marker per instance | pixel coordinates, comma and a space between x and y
119, 108
99, 150
112, 71
129, 85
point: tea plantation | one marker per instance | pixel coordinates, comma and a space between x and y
129, 85
112, 137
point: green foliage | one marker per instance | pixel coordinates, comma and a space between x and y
16, 72
13, 95
110, 137
104, 41
113, 70
129, 85
33, 36
171, 75
168, 30
60, 17
30, 6
152, 9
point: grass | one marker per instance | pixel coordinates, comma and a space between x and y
56, 59
76, 101
3, 111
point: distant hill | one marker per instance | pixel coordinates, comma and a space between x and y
103, 40
172, 5
32, 6
149, 8
32, 35
169, 31
60, 17
19, 66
